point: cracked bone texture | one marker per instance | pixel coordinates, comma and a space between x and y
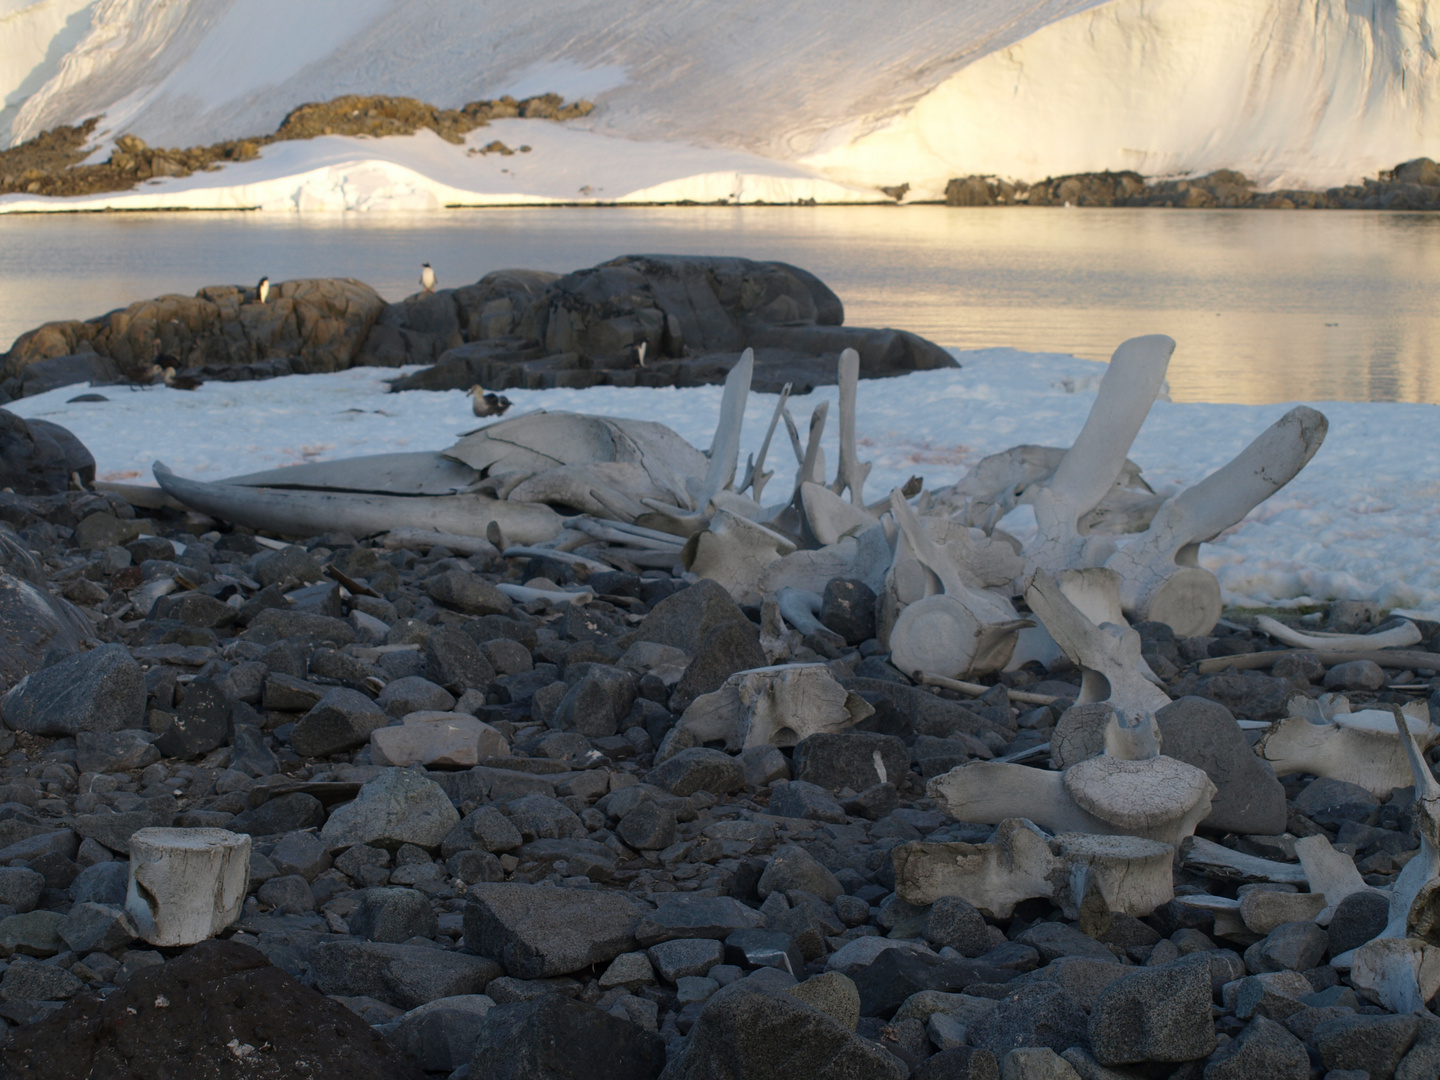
186, 885
1361, 748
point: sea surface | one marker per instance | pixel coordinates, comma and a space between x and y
1267, 306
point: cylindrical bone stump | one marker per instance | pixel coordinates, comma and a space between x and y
186, 885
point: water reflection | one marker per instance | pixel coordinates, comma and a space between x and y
1267, 306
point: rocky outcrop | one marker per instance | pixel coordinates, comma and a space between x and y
38, 457
1413, 185
694, 315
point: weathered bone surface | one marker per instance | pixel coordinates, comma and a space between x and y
851, 473
830, 517
755, 475
186, 885
1363, 748
734, 551
1402, 974
1159, 576
1330, 873
777, 705
1092, 465
1225, 864
1397, 637
1424, 866
1114, 670
1133, 875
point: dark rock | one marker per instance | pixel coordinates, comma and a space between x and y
441, 1036
684, 916
595, 706
961, 1063
114, 751
342, 720
1249, 695
285, 623
792, 868
396, 807
848, 759
405, 976
953, 922
102, 690
1056, 939
540, 817
1083, 978
301, 853
454, 661
288, 894
1292, 946
687, 617
1376, 1044
1156, 1014
797, 799
115, 830
413, 694
1203, 733
1355, 675
37, 457
1423, 1059
1330, 803
848, 608
747, 1031
201, 724
684, 957
730, 647
1041, 1014
698, 769
537, 931
304, 1033
20, 888
895, 974
468, 593
649, 827
393, 915
759, 948
556, 1038
1265, 1049
282, 814
91, 927
27, 979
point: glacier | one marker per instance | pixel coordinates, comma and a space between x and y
744, 102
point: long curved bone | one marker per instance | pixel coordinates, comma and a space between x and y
1091, 465
1160, 578
1397, 637
851, 473
724, 452
306, 513
525, 594
1109, 656
960, 631
1424, 867
755, 475
800, 608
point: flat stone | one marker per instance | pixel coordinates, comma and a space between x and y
1292, 946
444, 739
405, 976
557, 1038
537, 931
441, 1035
792, 867
683, 916
684, 957
100, 691
1249, 799
1376, 1044
698, 769
1263, 910
282, 814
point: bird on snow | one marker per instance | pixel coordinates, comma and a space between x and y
262, 291
181, 382
427, 277
484, 403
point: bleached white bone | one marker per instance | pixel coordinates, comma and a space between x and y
959, 631
425, 539
519, 551
812, 466
1015, 864
1329, 872
778, 641
1134, 875
1402, 974
1225, 864
724, 453
1361, 748
1397, 637
1090, 467
1424, 866
800, 609
829, 517
734, 551
186, 885
865, 557
851, 474
755, 475
526, 594
791, 702
1160, 578
1113, 669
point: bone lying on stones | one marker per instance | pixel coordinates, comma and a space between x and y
528, 594
1328, 872
866, 557
1109, 656
1361, 748
800, 609
778, 706
1225, 864
778, 641
851, 473
1401, 974
307, 513
521, 551
734, 551
1091, 466
425, 539
1397, 637
1223, 909
960, 631
1018, 862
1160, 578
186, 885
1406, 894
829, 517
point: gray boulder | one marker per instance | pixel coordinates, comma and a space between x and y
835, 760
393, 915
1203, 733
1265, 1049
399, 806
441, 1035
595, 706
102, 690
1156, 1014
763, 1034
698, 769
341, 720
792, 867
405, 976
556, 1038
537, 931
37, 457
1040, 1014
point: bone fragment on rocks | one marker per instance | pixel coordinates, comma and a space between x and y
1109, 656
186, 885
778, 641
1328, 872
866, 557
851, 474
1363, 748
734, 551
978, 690
520, 551
1387, 658
1397, 637
1160, 577
800, 608
724, 452
527, 594
1412, 884
829, 517
424, 539
778, 706
1400, 974
755, 475
1134, 875
1091, 466
1224, 864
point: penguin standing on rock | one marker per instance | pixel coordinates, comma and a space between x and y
483, 403
427, 277
262, 291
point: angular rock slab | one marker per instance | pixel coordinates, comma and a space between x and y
102, 690
437, 738
537, 931
186, 885
397, 807
1248, 799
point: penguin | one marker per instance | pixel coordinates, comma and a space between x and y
262, 291
483, 403
427, 277
637, 353
181, 382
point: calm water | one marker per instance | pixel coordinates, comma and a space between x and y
1266, 306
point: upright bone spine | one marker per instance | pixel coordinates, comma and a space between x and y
186, 885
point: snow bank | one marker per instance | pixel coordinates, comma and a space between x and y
755, 101
1359, 522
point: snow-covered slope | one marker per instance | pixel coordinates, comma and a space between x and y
1305, 92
